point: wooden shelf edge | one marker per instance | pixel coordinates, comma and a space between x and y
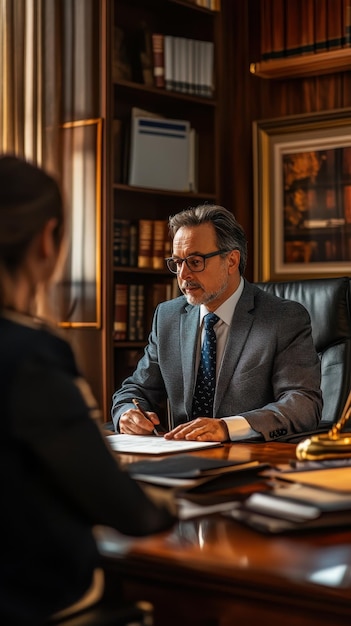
165, 93
165, 192
304, 65
126, 269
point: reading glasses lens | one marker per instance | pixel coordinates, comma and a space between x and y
194, 263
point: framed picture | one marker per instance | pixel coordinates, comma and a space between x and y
302, 196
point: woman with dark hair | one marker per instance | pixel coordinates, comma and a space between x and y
58, 477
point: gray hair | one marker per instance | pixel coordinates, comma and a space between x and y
230, 234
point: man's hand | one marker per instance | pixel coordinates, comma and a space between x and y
201, 429
133, 422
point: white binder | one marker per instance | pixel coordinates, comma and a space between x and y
159, 153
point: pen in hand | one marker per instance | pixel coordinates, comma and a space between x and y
137, 406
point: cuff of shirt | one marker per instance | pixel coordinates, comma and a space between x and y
239, 428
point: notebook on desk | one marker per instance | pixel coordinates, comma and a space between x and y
186, 470
198, 479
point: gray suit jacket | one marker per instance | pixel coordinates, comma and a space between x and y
270, 371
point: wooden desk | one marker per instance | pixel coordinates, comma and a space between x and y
214, 571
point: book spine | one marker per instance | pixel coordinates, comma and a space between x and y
146, 55
346, 173
334, 24
320, 25
133, 245
277, 29
117, 236
125, 243
197, 66
188, 64
191, 66
182, 63
203, 62
347, 204
158, 251
168, 60
158, 59
145, 244
132, 312
266, 29
121, 242
346, 163
293, 23
209, 68
121, 312
176, 64
347, 22
307, 42
167, 244
140, 316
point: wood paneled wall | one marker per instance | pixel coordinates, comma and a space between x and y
249, 98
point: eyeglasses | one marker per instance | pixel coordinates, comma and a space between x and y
195, 262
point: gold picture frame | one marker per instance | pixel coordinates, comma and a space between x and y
302, 196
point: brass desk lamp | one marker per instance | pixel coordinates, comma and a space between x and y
331, 445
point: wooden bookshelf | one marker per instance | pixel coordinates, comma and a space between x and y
176, 18
315, 64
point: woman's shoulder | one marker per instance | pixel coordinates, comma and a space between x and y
23, 340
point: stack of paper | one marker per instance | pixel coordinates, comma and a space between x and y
308, 500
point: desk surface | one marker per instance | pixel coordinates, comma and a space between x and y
214, 570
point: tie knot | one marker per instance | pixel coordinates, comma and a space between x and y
210, 320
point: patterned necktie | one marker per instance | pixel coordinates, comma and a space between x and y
206, 377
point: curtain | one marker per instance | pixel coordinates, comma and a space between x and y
49, 114
21, 78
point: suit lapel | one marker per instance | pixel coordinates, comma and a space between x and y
237, 336
189, 328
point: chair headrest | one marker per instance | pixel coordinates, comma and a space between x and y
328, 302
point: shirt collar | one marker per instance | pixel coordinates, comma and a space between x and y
226, 311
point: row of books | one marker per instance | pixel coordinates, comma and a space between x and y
134, 306
295, 27
161, 60
143, 244
183, 64
155, 152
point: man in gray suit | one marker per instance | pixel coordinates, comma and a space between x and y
267, 369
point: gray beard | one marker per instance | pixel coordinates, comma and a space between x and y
206, 297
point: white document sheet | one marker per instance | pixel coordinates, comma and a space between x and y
139, 444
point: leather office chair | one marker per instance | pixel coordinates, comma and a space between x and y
328, 301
